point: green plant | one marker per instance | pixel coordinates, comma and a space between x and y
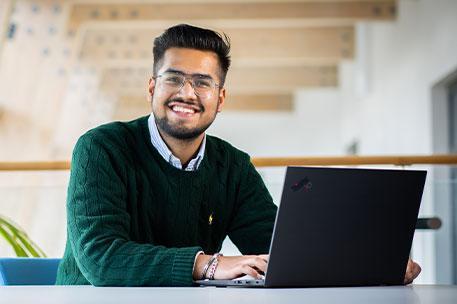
23, 246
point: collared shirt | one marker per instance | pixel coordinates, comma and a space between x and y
163, 150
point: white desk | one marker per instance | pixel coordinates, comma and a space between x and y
87, 294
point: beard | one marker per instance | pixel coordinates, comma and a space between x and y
179, 131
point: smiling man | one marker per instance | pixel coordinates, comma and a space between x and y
151, 201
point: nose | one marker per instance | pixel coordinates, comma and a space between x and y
187, 90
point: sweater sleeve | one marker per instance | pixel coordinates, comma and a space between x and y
252, 225
98, 225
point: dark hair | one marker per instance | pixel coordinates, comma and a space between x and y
192, 37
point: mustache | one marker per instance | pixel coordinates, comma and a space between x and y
200, 107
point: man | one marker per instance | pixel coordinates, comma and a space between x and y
150, 201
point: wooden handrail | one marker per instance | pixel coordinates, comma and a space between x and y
450, 159
35, 166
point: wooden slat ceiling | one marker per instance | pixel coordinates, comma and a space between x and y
5, 12
259, 102
277, 46
355, 10
271, 80
329, 44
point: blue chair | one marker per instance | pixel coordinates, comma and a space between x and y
28, 271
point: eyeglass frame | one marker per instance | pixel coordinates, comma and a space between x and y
189, 78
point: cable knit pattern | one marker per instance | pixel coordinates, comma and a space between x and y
135, 220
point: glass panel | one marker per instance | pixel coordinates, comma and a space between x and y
36, 202
432, 249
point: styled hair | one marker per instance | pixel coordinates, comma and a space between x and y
192, 37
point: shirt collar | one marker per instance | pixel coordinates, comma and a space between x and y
163, 150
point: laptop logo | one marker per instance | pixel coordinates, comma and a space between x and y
303, 184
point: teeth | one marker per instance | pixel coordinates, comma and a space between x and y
183, 110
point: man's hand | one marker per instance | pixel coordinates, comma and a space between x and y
231, 267
412, 271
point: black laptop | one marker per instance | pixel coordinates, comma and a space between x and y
341, 227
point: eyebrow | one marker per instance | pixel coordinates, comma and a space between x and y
182, 73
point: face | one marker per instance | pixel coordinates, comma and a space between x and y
183, 114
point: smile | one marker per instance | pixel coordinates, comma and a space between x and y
182, 109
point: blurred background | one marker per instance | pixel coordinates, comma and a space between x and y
309, 78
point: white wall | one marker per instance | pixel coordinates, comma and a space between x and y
407, 58
312, 129
391, 114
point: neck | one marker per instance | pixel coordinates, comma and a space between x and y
183, 149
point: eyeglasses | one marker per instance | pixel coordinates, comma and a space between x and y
173, 82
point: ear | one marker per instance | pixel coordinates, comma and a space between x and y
151, 87
221, 100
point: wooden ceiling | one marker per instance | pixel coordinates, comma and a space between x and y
230, 10
277, 46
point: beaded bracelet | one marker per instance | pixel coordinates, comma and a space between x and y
207, 266
212, 268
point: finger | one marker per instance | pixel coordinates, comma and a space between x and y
416, 270
265, 257
246, 269
412, 271
407, 278
259, 263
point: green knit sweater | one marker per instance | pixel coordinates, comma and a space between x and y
135, 220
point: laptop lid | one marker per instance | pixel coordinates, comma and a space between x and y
344, 227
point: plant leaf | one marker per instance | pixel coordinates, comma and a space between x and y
27, 243
20, 252
20, 241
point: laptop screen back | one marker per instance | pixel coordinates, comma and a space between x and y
344, 227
